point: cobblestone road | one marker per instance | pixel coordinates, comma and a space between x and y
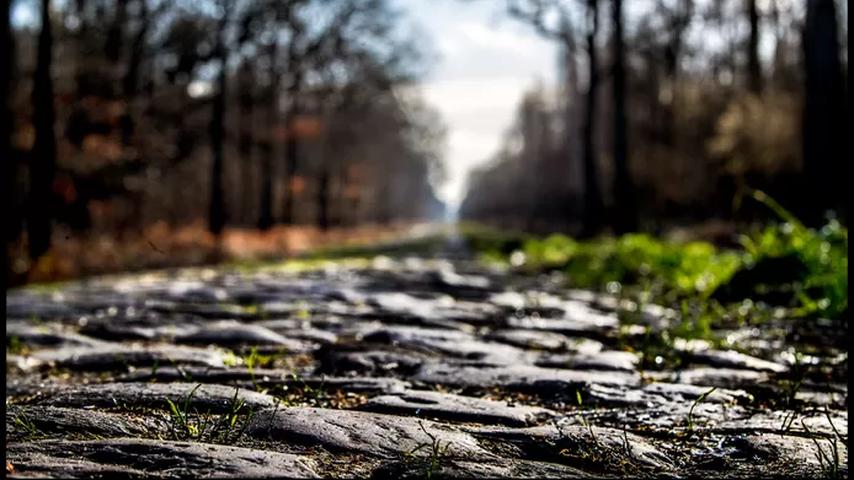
397, 367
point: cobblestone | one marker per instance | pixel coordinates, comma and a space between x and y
404, 367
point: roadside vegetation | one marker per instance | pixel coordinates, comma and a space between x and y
783, 264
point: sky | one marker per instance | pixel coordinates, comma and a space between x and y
485, 62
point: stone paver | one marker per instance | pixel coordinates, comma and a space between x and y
407, 367
161, 459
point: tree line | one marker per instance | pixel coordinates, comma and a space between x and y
251, 113
669, 111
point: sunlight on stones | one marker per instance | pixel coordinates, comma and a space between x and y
392, 367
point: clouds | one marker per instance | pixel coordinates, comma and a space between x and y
486, 63
478, 34
477, 113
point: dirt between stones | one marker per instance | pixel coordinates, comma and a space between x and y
403, 368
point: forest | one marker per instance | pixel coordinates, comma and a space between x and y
670, 113
126, 118
141, 133
230, 252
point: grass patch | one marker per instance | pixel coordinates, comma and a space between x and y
779, 271
294, 265
436, 451
425, 244
47, 287
697, 401
829, 460
15, 346
584, 422
784, 264
354, 256
186, 423
28, 427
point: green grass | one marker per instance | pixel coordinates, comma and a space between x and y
188, 423
15, 346
437, 452
782, 264
47, 287
821, 288
493, 246
829, 461
255, 359
27, 426
781, 270
697, 401
425, 244
584, 422
357, 256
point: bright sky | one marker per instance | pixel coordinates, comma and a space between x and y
486, 62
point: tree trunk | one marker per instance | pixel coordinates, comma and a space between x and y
624, 194
43, 161
383, 215
216, 219
10, 167
753, 67
130, 81
7, 48
592, 192
570, 144
824, 114
82, 84
291, 148
336, 202
6, 54
265, 205
679, 21
115, 34
323, 200
244, 144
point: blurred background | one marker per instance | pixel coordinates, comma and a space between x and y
155, 133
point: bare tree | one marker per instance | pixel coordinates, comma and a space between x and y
246, 104
7, 50
303, 53
624, 189
824, 114
593, 208
535, 12
677, 19
116, 33
138, 52
10, 167
296, 54
754, 69
43, 161
154, 101
265, 205
287, 18
217, 216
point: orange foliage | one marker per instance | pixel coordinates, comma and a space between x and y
115, 110
280, 133
24, 137
164, 246
63, 187
101, 146
297, 184
356, 171
352, 191
302, 127
307, 127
